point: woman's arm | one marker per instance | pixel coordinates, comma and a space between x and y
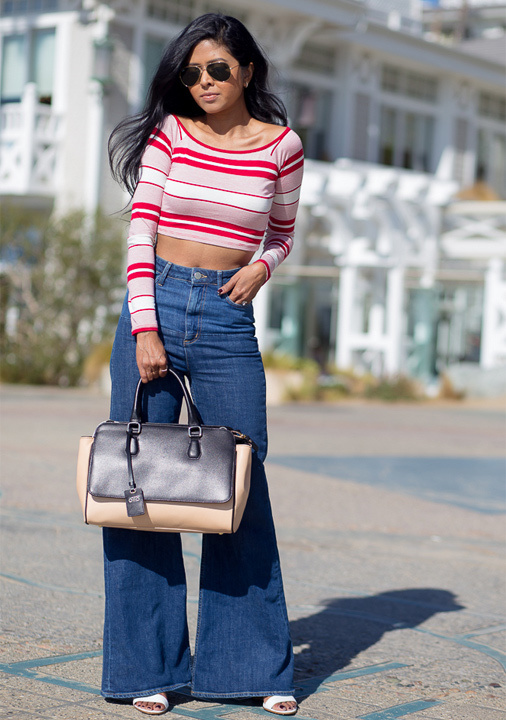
278, 240
146, 208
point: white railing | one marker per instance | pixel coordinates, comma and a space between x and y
29, 135
397, 14
476, 232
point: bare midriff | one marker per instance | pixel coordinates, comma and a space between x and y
189, 253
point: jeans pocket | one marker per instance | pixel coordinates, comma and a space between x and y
241, 306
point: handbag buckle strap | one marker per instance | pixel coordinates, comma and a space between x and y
134, 427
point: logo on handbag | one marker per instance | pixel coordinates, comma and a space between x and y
135, 498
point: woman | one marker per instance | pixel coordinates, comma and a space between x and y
217, 169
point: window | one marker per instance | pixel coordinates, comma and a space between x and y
42, 63
153, 50
491, 159
21, 7
28, 58
410, 83
406, 139
309, 110
492, 106
13, 68
316, 58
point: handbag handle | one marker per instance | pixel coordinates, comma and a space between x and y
193, 414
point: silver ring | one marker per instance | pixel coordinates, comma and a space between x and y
244, 302
163, 369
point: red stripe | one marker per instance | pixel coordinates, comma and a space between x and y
186, 152
279, 243
138, 296
274, 220
293, 158
215, 202
229, 171
136, 276
267, 266
220, 223
216, 231
290, 170
133, 312
232, 192
145, 329
135, 266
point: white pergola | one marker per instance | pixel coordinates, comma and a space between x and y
381, 227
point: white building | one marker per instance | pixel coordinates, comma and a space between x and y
397, 112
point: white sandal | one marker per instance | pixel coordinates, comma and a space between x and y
159, 699
274, 700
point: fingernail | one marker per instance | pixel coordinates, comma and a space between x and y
220, 291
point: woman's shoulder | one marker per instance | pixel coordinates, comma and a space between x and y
289, 146
168, 125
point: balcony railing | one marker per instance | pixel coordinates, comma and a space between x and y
29, 136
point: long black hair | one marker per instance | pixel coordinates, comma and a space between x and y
167, 95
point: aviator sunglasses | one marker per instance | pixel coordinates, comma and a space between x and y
219, 70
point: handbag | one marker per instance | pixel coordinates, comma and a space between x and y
165, 477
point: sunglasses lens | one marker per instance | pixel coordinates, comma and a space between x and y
190, 76
219, 71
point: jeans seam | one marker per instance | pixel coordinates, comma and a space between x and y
145, 693
199, 322
201, 603
245, 694
109, 646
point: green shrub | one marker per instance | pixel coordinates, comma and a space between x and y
394, 388
61, 284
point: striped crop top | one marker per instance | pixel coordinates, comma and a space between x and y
231, 198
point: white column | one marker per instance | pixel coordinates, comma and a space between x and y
95, 135
493, 339
261, 308
95, 124
347, 282
29, 108
394, 308
444, 131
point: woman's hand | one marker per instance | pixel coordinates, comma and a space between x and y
245, 284
151, 356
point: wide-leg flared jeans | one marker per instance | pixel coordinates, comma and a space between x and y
243, 645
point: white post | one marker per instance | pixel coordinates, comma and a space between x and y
347, 282
394, 308
95, 136
261, 308
29, 109
494, 298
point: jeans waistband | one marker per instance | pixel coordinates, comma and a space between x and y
194, 275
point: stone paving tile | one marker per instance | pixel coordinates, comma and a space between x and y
14, 684
88, 670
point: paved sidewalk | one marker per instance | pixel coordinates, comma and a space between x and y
391, 530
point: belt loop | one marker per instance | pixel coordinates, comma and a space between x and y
219, 278
164, 274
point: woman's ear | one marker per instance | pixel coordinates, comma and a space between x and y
248, 74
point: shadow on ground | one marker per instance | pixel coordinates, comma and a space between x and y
330, 639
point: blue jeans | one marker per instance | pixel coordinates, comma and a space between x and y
243, 645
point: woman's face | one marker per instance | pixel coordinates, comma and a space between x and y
214, 96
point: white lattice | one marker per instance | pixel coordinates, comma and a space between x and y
28, 146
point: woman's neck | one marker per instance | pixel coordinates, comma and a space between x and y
231, 123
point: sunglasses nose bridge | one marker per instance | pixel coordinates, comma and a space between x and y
205, 78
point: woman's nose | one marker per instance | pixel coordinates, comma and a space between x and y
205, 78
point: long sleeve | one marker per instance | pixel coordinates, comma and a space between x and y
146, 208
278, 240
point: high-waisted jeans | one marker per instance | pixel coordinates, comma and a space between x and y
243, 645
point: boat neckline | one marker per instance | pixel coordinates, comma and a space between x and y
213, 147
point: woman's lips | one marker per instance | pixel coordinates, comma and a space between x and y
209, 96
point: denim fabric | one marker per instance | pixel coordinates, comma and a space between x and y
243, 645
